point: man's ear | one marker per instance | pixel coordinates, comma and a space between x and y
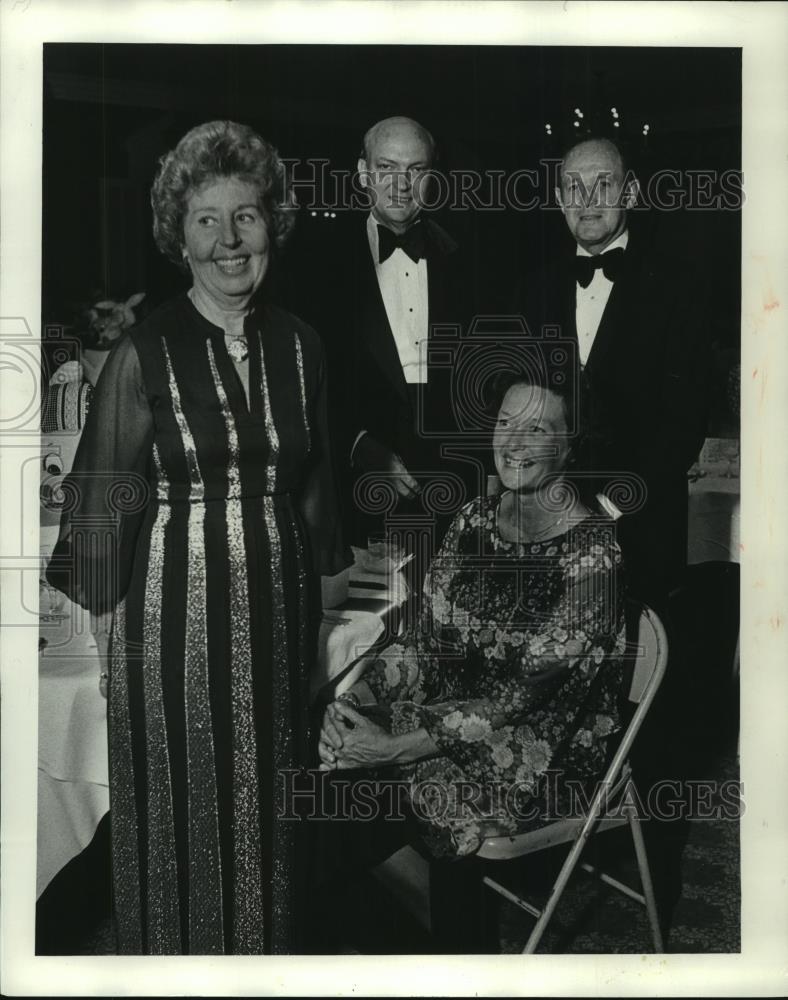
363, 171
559, 199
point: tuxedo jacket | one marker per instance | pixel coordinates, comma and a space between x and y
644, 389
334, 286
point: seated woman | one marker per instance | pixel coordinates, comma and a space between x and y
516, 666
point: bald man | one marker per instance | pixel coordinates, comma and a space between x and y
639, 317
380, 282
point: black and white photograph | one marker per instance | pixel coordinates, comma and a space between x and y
394, 551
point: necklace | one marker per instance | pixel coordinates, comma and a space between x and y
532, 536
236, 344
237, 348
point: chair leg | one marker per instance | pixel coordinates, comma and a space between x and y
555, 893
645, 880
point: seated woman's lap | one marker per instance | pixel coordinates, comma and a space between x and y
366, 821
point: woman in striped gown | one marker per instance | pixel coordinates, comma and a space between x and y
203, 512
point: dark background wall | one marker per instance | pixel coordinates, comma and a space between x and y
111, 110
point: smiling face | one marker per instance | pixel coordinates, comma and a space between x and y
595, 195
395, 173
530, 440
226, 241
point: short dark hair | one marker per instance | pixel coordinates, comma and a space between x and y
566, 383
212, 150
539, 377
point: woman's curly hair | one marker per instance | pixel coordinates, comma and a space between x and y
219, 149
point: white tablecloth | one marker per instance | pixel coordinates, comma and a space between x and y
73, 792
714, 503
68, 814
348, 631
713, 520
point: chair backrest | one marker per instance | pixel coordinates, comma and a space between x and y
649, 654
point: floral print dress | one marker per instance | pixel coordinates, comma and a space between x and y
515, 671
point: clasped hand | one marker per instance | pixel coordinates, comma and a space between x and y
350, 740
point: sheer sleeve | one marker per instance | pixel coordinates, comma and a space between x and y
106, 491
319, 501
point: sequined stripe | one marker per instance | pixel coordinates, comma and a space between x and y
164, 931
281, 873
123, 809
162, 485
248, 896
299, 549
303, 607
282, 735
190, 451
270, 427
206, 918
302, 387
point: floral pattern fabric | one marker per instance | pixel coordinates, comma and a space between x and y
514, 670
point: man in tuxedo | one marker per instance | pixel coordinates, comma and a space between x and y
637, 316
381, 286
384, 284
640, 318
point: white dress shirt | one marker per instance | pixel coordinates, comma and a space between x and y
405, 292
403, 286
590, 302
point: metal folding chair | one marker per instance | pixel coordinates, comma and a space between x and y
611, 805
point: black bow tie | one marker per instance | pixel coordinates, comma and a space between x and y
610, 263
412, 241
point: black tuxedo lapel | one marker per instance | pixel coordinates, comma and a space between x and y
567, 296
372, 322
444, 289
625, 310
618, 312
442, 302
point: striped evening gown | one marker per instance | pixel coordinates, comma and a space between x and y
212, 640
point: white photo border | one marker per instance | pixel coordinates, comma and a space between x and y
760, 30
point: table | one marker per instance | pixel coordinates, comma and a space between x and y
713, 520
73, 786
714, 510
367, 618
713, 514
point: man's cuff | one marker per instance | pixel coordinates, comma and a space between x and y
608, 506
359, 436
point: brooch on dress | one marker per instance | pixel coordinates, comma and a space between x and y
237, 348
